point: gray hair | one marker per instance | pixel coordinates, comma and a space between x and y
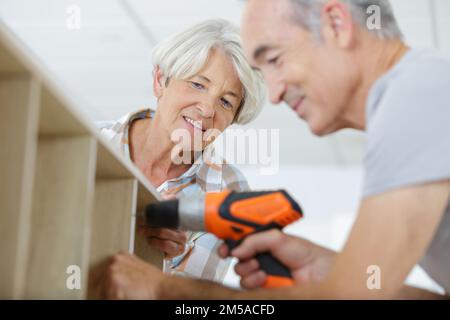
307, 14
184, 54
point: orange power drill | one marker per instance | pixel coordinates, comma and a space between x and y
231, 216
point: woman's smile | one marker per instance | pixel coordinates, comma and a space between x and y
194, 124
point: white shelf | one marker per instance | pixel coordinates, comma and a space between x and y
67, 197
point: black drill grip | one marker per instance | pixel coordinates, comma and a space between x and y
267, 262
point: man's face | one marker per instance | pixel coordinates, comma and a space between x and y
315, 78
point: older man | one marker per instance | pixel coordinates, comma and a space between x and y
337, 71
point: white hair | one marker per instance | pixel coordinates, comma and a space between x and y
184, 55
307, 14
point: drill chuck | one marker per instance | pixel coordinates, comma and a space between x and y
163, 214
186, 213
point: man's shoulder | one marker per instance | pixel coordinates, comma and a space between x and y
424, 69
419, 84
422, 60
408, 125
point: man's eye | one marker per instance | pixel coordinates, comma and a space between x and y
197, 85
226, 103
273, 60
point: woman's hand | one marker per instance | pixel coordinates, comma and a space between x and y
171, 242
306, 260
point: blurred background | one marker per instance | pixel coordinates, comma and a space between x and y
103, 58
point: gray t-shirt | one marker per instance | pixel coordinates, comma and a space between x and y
408, 139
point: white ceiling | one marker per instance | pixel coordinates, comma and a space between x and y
107, 62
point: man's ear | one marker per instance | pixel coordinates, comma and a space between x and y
337, 24
158, 82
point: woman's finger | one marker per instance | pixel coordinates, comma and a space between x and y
167, 234
168, 196
170, 248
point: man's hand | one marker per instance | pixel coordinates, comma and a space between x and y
308, 262
125, 276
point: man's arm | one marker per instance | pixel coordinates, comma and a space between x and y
408, 292
392, 232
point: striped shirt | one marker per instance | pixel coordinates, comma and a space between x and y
200, 259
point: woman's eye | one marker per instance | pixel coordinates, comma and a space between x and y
197, 85
226, 103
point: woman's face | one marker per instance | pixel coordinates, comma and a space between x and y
209, 100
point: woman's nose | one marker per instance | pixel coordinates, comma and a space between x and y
206, 109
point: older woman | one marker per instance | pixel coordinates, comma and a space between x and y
203, 83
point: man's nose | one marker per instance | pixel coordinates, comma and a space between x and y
276, 90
